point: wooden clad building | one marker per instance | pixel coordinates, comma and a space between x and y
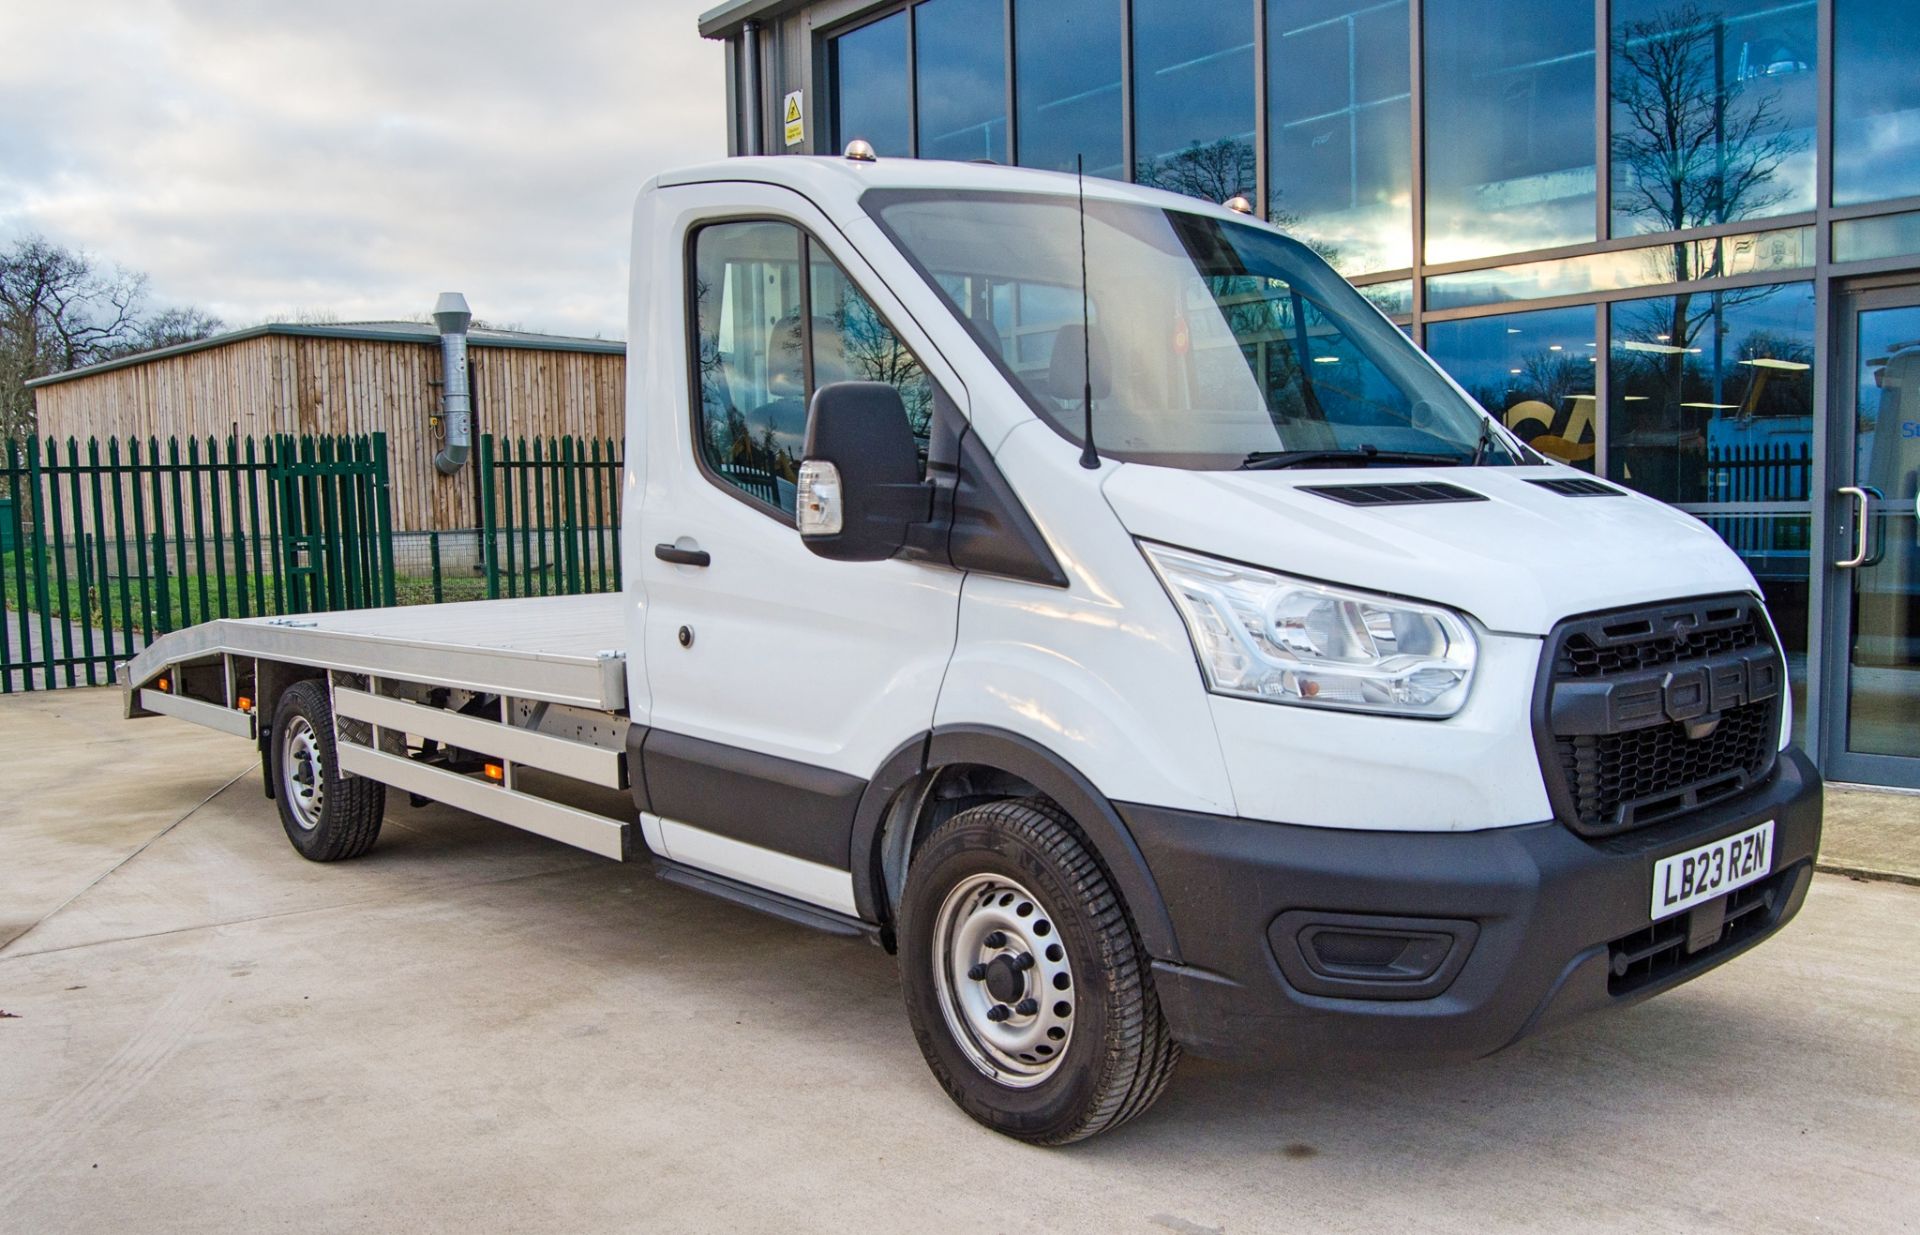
350, 378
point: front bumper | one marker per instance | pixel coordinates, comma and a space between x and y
1542, 918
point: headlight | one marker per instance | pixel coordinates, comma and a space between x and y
1261, 635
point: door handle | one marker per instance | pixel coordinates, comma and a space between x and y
1862, 496
682, 557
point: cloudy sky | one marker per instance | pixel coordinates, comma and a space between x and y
354, 158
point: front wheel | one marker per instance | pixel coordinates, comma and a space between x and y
1027, 989
328, 814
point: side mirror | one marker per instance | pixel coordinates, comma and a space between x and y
859, 486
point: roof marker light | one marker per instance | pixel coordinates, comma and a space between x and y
1238, 204
860, 150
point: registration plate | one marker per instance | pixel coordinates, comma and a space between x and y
1714, 869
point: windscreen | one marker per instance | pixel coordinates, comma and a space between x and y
1204, 343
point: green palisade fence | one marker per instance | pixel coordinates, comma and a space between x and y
115, 544
109, 545
550, 516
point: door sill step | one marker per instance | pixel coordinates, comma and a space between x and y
786, 908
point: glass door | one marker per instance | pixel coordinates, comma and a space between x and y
1873, 729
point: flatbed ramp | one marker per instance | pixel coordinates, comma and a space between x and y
450, 702
554, 649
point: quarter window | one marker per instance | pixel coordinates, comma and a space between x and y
766, 340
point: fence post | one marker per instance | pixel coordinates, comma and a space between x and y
489, 520
383, 515
37, 547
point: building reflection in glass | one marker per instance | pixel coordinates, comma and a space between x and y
1787, 248
1713, 111
960, 79
869, 72
1535, 371
1340, 167
1876, 101
1193, 112
1510, 128
1068, 104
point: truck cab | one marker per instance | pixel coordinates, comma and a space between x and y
1083, 592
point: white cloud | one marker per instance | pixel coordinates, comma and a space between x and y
354, 157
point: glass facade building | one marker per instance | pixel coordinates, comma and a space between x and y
1675, 243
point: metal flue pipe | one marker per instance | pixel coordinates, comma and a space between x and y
451, 317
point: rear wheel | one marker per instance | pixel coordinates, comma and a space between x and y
1027, 989
328, 815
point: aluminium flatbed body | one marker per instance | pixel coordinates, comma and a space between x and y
429, 694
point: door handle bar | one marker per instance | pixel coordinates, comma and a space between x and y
683, 557
1862, 496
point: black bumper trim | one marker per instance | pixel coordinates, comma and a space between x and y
1548, 904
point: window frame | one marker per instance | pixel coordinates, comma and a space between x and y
806, 243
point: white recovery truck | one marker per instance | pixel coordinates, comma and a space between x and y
1084, 592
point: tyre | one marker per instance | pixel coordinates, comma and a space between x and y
328, 814
1028, 991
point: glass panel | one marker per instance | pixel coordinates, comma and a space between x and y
1210, 343
1710, 405
852, 343
960, 62
1068, 103
1395, 299
1535, 371
1193, 113
1713, 112
1883, 673
869, 70
1891, 235
1876, 100
1510, 128
1788, 248
1340, 171
753, 338
753, 416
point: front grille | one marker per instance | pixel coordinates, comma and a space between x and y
1651, 713
1659, 951
1616, 645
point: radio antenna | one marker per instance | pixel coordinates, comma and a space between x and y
1089, 458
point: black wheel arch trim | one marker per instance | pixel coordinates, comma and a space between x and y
1046, 771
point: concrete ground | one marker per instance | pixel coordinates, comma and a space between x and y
474, 1028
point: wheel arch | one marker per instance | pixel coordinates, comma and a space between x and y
940, 772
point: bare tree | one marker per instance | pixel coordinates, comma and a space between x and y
1692, 146
61, 309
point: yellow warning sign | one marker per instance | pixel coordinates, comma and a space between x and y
796, 122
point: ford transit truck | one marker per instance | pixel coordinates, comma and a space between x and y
1085, 594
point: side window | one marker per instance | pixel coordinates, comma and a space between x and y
766, 340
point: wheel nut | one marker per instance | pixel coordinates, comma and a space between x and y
1024, 960
1027, 1006
977, 971
998, 1012
996, 939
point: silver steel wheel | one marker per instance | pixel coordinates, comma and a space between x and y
303, 773
1004, 981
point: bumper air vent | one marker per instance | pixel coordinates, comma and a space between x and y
1648, 714
1417, 493
1670, 946
1579, 486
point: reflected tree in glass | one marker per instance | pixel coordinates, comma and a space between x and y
1697, 142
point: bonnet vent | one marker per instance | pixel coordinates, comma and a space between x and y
1579, 486
1418, 493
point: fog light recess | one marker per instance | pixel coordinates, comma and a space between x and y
1362, 956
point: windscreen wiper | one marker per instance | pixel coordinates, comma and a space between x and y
1273, 460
